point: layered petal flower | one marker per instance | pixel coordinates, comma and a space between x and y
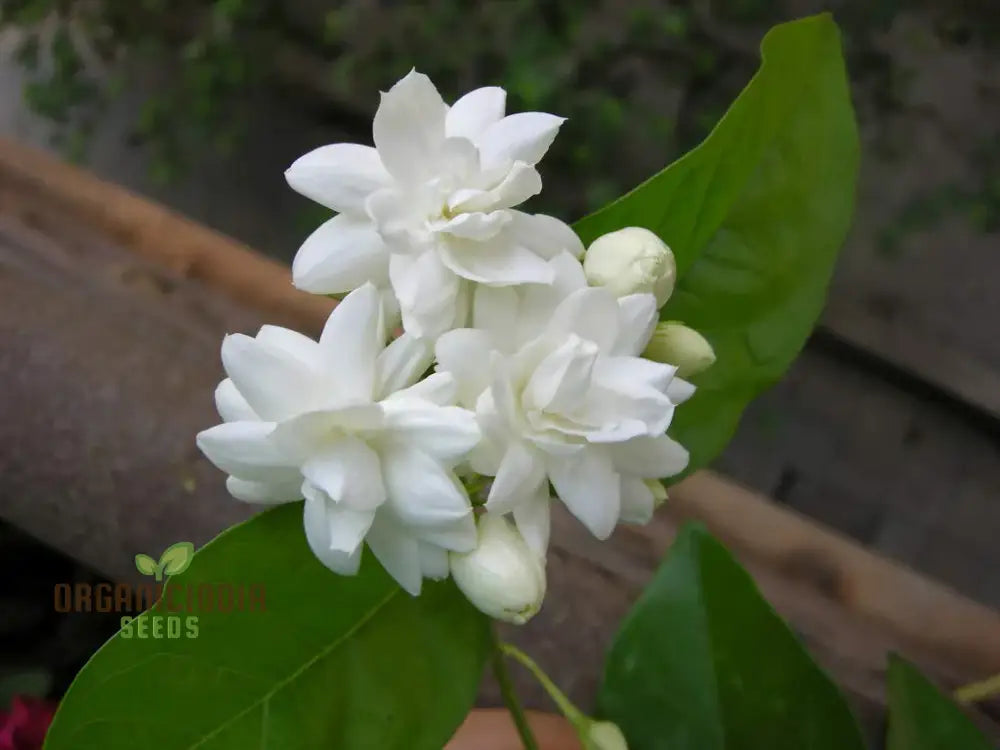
429, 211
344, 424
563, 399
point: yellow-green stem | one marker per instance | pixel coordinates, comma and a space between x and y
509, 695
571, 712
979, 691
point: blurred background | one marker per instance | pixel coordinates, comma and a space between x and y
886, 429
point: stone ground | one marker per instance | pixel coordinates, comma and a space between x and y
885, 451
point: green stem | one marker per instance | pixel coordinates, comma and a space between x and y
509, 696
571, 712
979, 691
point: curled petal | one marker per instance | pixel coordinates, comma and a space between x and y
409, 128
334, 534
341, 255
476, 111
525, 136
589, 486
340, 176
231, 405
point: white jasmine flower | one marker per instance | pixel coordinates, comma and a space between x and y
343, 423
502, 576
630, 261
429, 210
676, 344
561, 395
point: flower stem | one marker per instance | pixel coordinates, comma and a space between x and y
979, 691
509, 696
571, 712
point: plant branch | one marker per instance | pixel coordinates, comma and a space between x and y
979, 691
565, 705
508, 693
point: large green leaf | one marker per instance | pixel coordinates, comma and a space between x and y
922, 718
755, 216
702, 662
331, 662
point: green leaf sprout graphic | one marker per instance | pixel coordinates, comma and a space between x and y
175, 559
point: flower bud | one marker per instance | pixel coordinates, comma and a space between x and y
502, 576
675, 344
605, 735
631, 261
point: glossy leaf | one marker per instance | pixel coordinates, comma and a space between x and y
755, 216
702, 662
329, 662
921, 717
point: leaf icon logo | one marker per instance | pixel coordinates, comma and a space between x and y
175, 559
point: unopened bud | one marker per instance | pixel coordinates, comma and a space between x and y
631, 261
676, 344
502, 576
605, 735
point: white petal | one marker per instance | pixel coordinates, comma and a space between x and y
465, 354
457, 535
589, 486
288, 490
538, 303
626, 390
351, 341
525, 137
398, 551
476, 111
446, 433
520, 474
562, 379
246, 450
680, 390
591, 314
349, 472
474, 226
345, 527
340, 176
519, 184
303, 436
401, 364
637, 315
437, 388
341, 255
546, 236
274, 383
427, 292
409, 128
421, 491
433, 561
638, 503
317, 524
533, 519
649, 457
495, 312
494, 261
231, 405
291, 342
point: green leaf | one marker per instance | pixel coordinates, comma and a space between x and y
702, 662
145, 564
922, 718
330, 662
755, 216
176, 558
